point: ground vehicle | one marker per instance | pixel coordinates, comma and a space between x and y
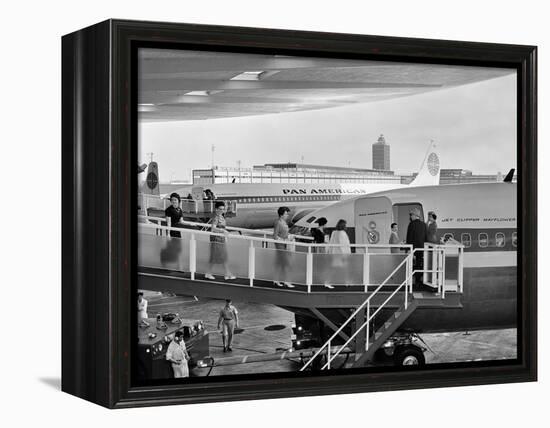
153, 341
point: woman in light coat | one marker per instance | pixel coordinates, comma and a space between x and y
342, 248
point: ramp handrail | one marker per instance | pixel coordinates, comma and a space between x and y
408, 261
269, 240
190, 206
308, 249
230, 228
257, 231
450, 245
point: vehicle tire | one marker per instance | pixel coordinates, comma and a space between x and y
409, 356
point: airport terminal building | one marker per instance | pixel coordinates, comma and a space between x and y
293, 173
303, 173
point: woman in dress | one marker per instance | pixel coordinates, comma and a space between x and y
174, 214
218, 246
280, 233
342, 248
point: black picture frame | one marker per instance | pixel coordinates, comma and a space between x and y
98, 221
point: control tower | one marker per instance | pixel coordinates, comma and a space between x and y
381, 154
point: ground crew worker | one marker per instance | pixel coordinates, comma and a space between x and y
228, 319
177, 354
142, 307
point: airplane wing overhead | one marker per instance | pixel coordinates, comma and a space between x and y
176, 85
428, 175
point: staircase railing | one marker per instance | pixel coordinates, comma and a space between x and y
407, 261
407, 284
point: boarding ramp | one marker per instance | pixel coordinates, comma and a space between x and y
179, 265
254, 259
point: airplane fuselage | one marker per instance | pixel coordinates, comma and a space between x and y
257, 204
482, 217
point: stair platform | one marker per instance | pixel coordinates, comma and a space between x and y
266, 292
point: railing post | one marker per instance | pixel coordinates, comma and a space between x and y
368, 326
192, 256
366, 269
426, 266
309, 269
410, 266
251, 263
406, 295
460, 269
443, 261
328, 355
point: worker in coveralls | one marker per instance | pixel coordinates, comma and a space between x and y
177, 354
229, 319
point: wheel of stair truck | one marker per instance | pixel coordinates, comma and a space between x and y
409, 356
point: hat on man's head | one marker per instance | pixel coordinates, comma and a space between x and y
415, 211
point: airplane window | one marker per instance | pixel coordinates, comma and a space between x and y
499, 239
515, 239
309, 220
466, 240
483, 240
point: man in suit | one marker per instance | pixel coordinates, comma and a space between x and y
416, 236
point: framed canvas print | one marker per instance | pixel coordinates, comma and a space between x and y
252, 213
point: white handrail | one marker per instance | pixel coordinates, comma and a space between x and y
154, 224
366, 302
231, 228
366, 323
300, 244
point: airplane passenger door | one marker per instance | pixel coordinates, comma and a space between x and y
401, 217
373, 218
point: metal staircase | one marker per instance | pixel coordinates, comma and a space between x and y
365, 342
385, 332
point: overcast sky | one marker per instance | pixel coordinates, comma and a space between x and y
473, 125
